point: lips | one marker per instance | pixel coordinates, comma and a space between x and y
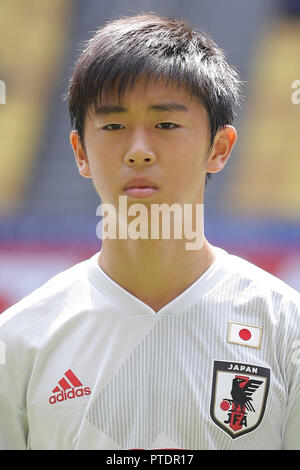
140, 182
140, 187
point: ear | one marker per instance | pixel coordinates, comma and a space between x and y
80, 155
224, 141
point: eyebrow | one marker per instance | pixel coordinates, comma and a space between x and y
110, 109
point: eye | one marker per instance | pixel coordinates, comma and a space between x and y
109, 125
166, 124
113, 127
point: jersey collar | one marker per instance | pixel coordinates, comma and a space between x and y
127, 302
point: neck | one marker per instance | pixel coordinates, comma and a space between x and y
154, 271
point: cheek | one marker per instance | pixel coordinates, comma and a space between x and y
189, 164
188, 173
184, 183
100, 172
100, 159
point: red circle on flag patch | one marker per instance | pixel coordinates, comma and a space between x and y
225, 405
245, 334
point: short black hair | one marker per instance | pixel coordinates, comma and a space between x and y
151, 46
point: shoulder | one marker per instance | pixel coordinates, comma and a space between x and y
264, 281
248, 287
46, 302
252, 288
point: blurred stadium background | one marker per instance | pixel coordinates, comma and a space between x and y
48, 212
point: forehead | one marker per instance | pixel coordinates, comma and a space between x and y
148, 92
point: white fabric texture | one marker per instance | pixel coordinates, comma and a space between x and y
90, 366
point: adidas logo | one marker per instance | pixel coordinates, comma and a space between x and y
71, 388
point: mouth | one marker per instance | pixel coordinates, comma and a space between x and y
141, 191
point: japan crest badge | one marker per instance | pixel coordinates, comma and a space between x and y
239, 396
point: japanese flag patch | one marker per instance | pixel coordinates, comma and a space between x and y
245, 335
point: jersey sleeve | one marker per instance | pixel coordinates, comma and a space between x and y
13, 425
291, 434
13, 415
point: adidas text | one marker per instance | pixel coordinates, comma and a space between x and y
73, 393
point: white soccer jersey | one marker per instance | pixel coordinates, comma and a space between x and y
86, 365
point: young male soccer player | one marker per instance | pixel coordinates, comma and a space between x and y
149, 345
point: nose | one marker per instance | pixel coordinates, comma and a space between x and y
139, 154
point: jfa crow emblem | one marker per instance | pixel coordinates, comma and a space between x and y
239, 396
